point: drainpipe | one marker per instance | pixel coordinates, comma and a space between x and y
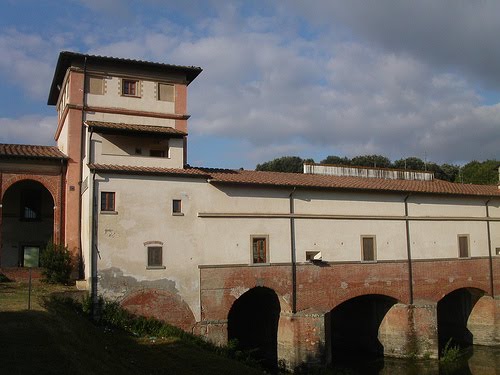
408, 249
93, 246
82, 146
489, 247
292, 253
61, 206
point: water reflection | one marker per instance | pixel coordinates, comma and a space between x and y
477, 360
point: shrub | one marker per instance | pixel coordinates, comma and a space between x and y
56, 261
4, 279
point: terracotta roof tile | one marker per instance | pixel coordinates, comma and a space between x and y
350, 183
30, 151
278, 179
127, 169
134, 128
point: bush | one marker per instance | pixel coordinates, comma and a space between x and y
4, 279
56, 261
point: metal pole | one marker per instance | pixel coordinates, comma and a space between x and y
29, 290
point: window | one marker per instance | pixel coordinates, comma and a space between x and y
31, 256
155, 256
95, 85
107, 201
176, 207
497, 250
463, 245
368, 248
130, 87
259, 249
31, 205
166, 92
157, 153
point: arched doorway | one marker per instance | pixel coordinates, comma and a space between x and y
453, 312
253, 322
27, 223
354, 326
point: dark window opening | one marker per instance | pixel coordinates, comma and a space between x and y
176, 206
107, 201
31, 205
155, 256
157, 153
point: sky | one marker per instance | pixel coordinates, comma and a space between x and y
399, 78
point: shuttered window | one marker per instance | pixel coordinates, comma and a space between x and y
155, 256
463, 246
368, 248
166, 92
259, 250
107, 201
95, 85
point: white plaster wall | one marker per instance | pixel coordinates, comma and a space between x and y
446, 206
347, 203
62, 141
494, 207
340, 240
439, 239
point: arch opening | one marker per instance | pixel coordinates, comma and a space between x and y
354, 327
453, 312
253, 322
27, 223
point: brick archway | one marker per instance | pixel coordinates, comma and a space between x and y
53, 183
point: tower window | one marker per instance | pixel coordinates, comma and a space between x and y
130, 87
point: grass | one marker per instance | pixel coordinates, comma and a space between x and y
57, 338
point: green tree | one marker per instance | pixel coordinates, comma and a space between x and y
378, 161
336, 160
449, 172
413, 163
293, 164
477, 172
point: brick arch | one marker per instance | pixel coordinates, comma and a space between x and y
162, 305
451, 288
374, 290
51, 182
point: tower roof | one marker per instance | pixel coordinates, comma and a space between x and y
68, 58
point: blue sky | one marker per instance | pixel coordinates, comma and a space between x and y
398, 78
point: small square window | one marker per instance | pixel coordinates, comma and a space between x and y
130, 87
107, 201
368, 248
259, 249
155, 256
166, 92
463, 246
176, 206
497, 250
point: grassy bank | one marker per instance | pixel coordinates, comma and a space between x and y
57, 338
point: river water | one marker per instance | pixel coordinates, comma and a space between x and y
476, 360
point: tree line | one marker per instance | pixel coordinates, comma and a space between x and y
474, 172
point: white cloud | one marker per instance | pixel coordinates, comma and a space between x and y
29, 129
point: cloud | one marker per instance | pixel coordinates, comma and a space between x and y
28, 60
29, 129
450, 34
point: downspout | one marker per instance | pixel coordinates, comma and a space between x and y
408, 250
93, 233
488, 230
82, 146
292, 253
61, 206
